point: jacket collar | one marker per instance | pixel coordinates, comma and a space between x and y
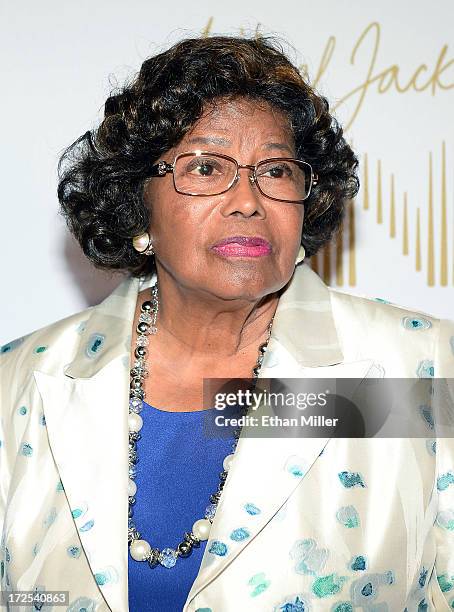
304, 307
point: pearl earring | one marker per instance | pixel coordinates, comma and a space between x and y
142, 244
301, 255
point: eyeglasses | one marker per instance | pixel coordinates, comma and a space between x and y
201, 173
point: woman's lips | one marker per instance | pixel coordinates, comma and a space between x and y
243, 246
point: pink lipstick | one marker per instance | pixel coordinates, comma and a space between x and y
242, 246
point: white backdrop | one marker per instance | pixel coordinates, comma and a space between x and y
387, 67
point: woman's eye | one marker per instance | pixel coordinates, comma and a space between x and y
279, 171
205, 169
202, 167
276, 172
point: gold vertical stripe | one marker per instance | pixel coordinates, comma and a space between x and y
444, 222
340, 257
351, 244
379, 195
392, 220
366, 183
207, 28
314, 263
405, 226
418, 240
327, 263
430, 231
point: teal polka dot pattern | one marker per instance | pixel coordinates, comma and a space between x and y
82, 604
239, 534
445, 480
351, 479
416, 323
40, 349
425, 369
343, 606
26, 450
22, 410
348, 516
326, 586
260, 584
73, 552
95, 345
358, 564
7, 348
218, 548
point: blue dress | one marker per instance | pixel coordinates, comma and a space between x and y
177, 471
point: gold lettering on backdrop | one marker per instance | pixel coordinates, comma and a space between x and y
386, 79
422, 78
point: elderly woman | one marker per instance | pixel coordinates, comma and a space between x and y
210, 178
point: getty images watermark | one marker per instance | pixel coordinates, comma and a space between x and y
252, 400
342, 408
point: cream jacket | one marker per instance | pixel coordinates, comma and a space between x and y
362, 524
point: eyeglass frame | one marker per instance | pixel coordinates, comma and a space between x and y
162, 168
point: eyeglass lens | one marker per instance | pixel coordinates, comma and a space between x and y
211, 175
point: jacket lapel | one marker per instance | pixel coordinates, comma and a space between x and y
304, 344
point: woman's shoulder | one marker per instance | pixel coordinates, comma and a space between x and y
32, 347
378, 307
380, 325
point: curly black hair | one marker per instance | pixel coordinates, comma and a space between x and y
102, 175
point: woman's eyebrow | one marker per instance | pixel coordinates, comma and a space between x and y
223, 142
278, 145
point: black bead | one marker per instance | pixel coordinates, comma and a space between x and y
130, 512
147, 306
142, 328
184, 549
140, 352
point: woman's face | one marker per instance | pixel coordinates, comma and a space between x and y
184, 229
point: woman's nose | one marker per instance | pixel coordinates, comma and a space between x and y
244, 196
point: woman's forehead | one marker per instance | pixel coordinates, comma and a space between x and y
257, 120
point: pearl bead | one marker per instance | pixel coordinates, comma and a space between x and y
132, 488
201, 529
141, 242
135, 422
139, 550
228, 462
